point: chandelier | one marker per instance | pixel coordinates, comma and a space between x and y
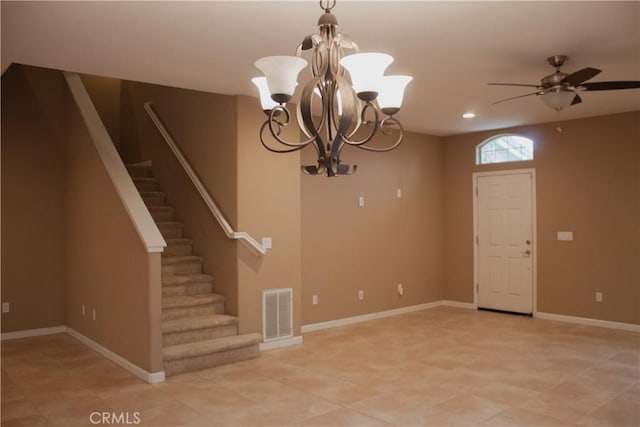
332, 112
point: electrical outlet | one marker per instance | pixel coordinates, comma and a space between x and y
361, 201
267, 242
93, 313
361, 295
400, 289
83, 310
5, 307
315, 300
598, 296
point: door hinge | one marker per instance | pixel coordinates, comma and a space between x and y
476, 191
477, 287
477, 240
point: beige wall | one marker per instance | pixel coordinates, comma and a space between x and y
587, 182
105, 95
108, 268
32, 210
204, 127
390, 240
268, 206
66, 237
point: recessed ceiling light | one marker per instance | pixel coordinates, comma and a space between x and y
469, 115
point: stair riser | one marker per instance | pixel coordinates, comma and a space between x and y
200, 310
169, 232
162, 215
139, 171
174, 367
153, 199
178, 249
184, 337
188, 289
183, 268
146, 185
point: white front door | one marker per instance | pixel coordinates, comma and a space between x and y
504, 241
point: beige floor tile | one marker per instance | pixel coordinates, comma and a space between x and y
342, 417
388, 407
473, 408
18, 409
522, 417
437, 367
616, 412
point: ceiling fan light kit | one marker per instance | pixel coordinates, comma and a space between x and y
348, 96
559, 90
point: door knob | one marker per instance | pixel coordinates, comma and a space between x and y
527, 252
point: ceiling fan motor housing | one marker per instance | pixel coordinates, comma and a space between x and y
554, 79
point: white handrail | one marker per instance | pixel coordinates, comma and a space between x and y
129, 195
237, 235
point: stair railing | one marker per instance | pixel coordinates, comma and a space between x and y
208, 200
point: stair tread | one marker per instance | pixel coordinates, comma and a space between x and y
197, 322
180, 259
168, 223
182, 351
160, 208
144, 178
191, 300
178, 240
183, 279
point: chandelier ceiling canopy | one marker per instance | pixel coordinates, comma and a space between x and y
347, 101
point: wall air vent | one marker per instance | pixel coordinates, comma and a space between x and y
277, 314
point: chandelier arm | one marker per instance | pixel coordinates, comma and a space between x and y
344, 123
275, 133
306, 116
274, 150
383, 128
374, 130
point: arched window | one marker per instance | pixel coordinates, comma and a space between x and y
504, 148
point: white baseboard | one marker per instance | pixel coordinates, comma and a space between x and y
280, 343
33, 333
371, 316
150, 377
458, 304
589, 322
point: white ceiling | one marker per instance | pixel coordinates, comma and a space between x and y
451, 48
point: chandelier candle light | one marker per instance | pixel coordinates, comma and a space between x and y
331, 112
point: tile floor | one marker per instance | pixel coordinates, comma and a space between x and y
437, 367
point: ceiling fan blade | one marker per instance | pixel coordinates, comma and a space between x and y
576, 100
513, 84
581, 76
630, 84
516, 97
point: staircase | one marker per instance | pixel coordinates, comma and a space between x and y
196, 334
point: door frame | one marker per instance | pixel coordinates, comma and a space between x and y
534, 231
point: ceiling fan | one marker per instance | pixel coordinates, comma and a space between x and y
559, 90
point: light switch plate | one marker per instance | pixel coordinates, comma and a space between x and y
267, 242
565, 236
